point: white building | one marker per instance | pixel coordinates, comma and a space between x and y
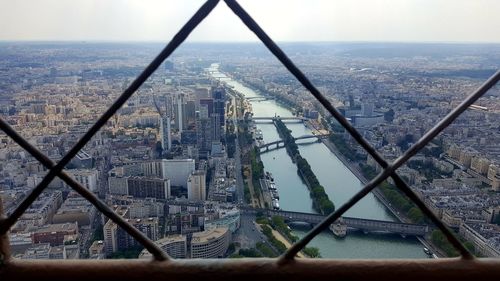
196, 186
86, 177
211, 243
174, 245
178, 170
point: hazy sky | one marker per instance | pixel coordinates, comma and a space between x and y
284, 20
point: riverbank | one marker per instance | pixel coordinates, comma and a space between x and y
353, 167
338, 181
321, 202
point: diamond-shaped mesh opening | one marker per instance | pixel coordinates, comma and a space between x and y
389, 169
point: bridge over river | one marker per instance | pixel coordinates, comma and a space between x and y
365, 225
280, 143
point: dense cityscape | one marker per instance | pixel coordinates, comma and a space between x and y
187, 159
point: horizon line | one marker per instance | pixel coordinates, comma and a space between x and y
251, 42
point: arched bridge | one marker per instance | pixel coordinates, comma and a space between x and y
366, 225
281, 142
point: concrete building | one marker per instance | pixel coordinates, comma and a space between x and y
174, 245
138, 207
180, 113
480, 165
152, 169
196, 186
75, 209
230, 219
54, 234
204, 133
493, 170
178, 170
219, 99
97, 250
37, 252
117, 239
143, 187
118, 185
466, 157
165, 133
42, 210
86, 177
211, 243
484, 237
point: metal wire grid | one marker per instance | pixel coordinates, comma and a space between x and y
389, 169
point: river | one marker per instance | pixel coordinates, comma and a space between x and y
339, 182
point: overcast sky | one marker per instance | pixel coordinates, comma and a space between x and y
284, 20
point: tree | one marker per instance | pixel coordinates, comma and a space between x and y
312, 252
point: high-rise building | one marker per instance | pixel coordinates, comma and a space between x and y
190, 112
216, 127
219, 98
152, 169
180, 113
117, 239
165, 135
209, 104
144, 187
204, 133
196, 186
178, 170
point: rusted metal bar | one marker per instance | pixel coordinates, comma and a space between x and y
183, 33
156, 251
253, 269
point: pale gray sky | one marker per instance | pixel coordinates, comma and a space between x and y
284, 20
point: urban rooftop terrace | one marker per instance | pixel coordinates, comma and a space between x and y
286, 266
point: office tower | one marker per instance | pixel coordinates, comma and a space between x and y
178, 170
180, 112
216, 127
190, 112
142, 187
117, 239
196, 186
209, 104
204, 133
219, 100
165, 135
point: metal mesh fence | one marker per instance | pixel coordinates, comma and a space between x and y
389, 169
